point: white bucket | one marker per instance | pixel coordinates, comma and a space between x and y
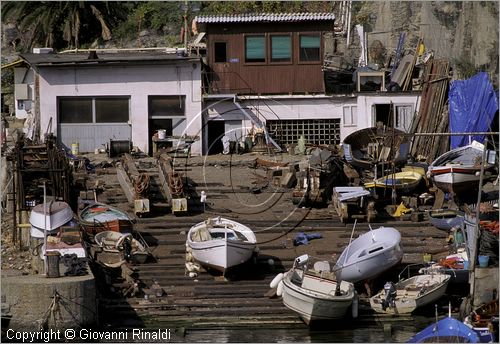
75, 148
162, 134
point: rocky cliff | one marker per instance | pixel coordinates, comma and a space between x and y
466, 33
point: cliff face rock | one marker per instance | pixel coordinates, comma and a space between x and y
466, 33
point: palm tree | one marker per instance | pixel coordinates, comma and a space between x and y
50, 22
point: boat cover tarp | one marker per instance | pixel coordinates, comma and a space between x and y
473, 104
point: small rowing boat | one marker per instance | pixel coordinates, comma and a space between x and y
99, 217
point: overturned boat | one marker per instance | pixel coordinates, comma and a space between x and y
369, 255
221, 243
49, 217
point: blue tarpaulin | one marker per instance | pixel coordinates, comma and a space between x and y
303, 239
473, 104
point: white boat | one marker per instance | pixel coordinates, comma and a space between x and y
57, 214
458, 170
220, 243
409, 294
369, 255
311, 290
116, 242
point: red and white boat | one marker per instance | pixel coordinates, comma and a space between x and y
459, 170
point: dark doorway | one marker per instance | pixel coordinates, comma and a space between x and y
154, 126
383, 114
215, 132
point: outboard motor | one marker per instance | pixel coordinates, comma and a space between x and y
127, 247
390, 295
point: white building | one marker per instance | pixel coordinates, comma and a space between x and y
90, 98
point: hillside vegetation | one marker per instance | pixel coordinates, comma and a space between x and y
464, 32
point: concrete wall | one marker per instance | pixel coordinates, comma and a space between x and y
486, 284
30, 297
138, 82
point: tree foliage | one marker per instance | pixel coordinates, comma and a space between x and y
61, 24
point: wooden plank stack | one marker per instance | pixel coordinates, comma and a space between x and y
433, 113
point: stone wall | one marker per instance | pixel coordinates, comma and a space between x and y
31, 302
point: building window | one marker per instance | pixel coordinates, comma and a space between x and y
255, 48
93, 109
166, 106
220, 52
350, 115
75, 110
111, 110
281, 48
309, 47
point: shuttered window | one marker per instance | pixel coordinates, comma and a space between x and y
255, 48
281, 48
309, 46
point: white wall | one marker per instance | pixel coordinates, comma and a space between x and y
303, 107
138, 82
275, 108
366, 103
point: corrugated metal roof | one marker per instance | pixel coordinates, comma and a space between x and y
264, 17
103, 58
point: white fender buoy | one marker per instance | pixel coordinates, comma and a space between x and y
279, 290
276, 280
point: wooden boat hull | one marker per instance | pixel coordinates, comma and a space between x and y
222, 252
406, 181
456, 180
413, 293
100, 217
314, 299
369, 255
458, 170
366, 147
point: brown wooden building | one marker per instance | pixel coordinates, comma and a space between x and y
265, 53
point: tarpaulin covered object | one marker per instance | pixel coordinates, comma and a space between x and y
473, 104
